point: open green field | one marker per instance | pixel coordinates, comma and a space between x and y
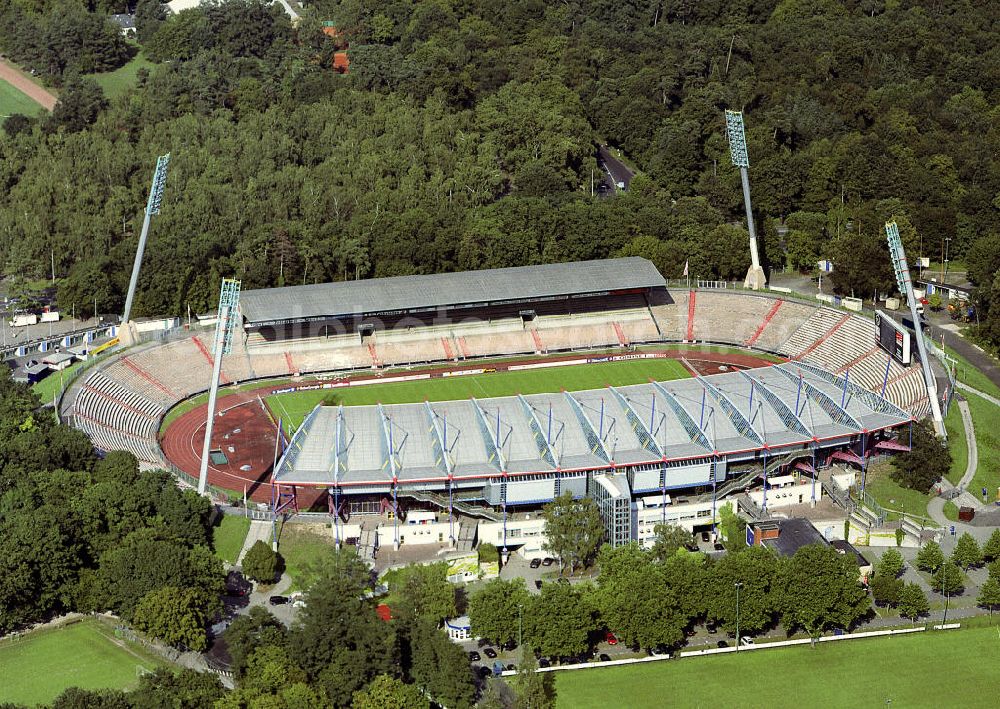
13, 101
932, 669
115, 83
40, 665
893, 496
48, 389
956, 444
985, 416
300, 545
292, 408
228, 537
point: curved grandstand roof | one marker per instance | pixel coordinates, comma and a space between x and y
735, 415
428, 292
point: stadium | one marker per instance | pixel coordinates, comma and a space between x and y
809, 386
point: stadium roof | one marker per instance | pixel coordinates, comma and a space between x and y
427, 292
734, 414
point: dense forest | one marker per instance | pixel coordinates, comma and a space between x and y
464, 136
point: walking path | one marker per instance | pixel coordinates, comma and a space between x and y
992, 399
30, 89
935, 508
259, 531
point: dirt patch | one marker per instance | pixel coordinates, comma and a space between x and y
30, 89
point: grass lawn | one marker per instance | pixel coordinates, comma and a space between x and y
956, 444
952, 668
893, 496
968, 374
115, 83
985, 416
36, 668
292, 408
951, 510
13, 101
299, 545
228, 537
48, 389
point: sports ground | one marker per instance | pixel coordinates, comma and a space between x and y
932, 669
37, 667
245, 431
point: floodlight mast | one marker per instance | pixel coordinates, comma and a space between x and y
738, 152
906, 289
229, 298
152, 208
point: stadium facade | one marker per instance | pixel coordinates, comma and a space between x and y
620, 446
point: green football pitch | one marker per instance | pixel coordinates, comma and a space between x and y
293, 407
932, 669
38, 666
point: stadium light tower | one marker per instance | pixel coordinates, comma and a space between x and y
738, 151
152, 208
229, 298
906, 289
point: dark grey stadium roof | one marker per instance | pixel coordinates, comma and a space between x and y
427, 292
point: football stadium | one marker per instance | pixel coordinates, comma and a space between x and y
810, 385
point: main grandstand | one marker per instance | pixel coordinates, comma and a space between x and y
838, 395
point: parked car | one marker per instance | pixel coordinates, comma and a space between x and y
548, 561
485, 672
538, 584
657, 651
604, 657
535, 563
706, 537
711, 627
511, 667
746, 641
718, 546
544, 662
474, 656
490, 653
610, 638
278, 600
722, 643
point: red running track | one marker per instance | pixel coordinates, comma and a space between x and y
246, 434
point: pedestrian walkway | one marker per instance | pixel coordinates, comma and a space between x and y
992, 399
935, 508
258, 531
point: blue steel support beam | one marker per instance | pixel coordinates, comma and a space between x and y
644, 435
597, 446
545, 449
743, 426
698, 433
786, 415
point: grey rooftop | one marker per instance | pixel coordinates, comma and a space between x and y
429, 292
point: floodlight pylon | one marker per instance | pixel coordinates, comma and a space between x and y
152, 209
229, 298
905, 284
738, 152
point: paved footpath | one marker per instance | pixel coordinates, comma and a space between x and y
935, 508
30, 89
259, 531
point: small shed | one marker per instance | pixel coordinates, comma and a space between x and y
126, 24
459, 628
58, 360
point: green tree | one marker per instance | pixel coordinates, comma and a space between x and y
885, 589
891, 564
967, 553
495, 608
991, 549
667, 539
989, 595
440, 666
533, 690
423, 592
80, 102
913, 602
169, 687
930, 557
558, 620
261, 562
573, 529
756, 570
926, 461
363, 647
246, 633
385, 692
634, 600
821, 589
175, 616
948, 580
